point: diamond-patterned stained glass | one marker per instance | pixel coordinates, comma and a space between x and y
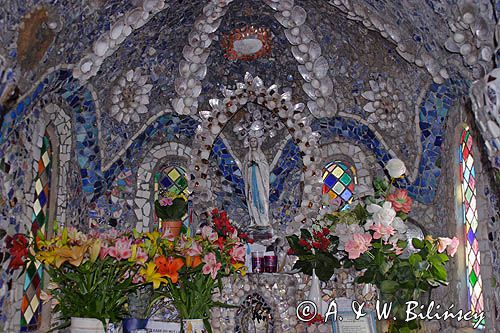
173, 179
469, 211
31, 306
339, 181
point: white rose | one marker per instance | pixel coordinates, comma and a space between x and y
396, 168
381, 214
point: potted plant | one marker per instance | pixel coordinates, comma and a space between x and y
170, 208
91, 276
187, 269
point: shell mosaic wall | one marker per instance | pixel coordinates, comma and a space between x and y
124, 89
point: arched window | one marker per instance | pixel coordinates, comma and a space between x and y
31, 306
339, 180
173, 179
469, 213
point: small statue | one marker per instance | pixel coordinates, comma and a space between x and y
256, 174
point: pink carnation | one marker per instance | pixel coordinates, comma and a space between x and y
358, 245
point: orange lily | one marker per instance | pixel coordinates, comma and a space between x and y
193, 261
169, 267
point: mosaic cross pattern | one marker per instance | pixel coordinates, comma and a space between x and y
472, 253
339, 181
31, 307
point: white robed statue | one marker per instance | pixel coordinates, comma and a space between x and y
256, 173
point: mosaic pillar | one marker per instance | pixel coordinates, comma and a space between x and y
31, 307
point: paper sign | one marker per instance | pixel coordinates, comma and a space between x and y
349, 323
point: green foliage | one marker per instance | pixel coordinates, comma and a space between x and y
92, 290
173, 212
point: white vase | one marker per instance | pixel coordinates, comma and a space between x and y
86, 325
315, 292
193, 326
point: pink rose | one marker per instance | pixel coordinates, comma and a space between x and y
358, 245
452, 247
237, 253
443, 243
382, 231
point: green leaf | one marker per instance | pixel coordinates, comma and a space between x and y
417, 243
388, 286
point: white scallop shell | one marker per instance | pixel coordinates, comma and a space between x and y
326, 86
134, 17
304, 73
178, 105
101, 46
116, 30
184, 69
309, 90
150, 5
320, 67
284, 21
299, 56
313, 108
294, 40
299, 15
314, 50
306, 34
285, 5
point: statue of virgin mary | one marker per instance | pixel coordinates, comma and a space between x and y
256, 174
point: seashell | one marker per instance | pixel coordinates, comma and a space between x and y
101, 46
127, 30
303, 48
299, 107
451, 45
150, 5
196, 91
465, 49
257, 82
194, 38
178, 105
314, 51
313, 108
481, 29
211, 28
134, 17
330, 106
459, 37
293, 39
320, 67
309, 90
299, 56
286, 96
306, 34
86, 65
285, 5
116, 30
369, 107
304, 73
326, 86
184, 68
299, 15
486, 53
272, 89
284, 21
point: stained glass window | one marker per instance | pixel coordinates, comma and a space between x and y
31, 306
338, 182
173, 179
472, 254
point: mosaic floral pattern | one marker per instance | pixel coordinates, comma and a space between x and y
31, 307
339, 181
472, 253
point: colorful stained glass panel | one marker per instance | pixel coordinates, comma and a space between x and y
173, 179
339, 181
472, 253
31, 306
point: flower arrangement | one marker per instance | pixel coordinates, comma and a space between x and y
170, 206
187, 268
91, 274
371, 237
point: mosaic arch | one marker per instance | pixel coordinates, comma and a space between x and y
214, 120
470, 218
170, 153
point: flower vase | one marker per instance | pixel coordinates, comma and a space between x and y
86, 325
193, 326
173, 227
315, 292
